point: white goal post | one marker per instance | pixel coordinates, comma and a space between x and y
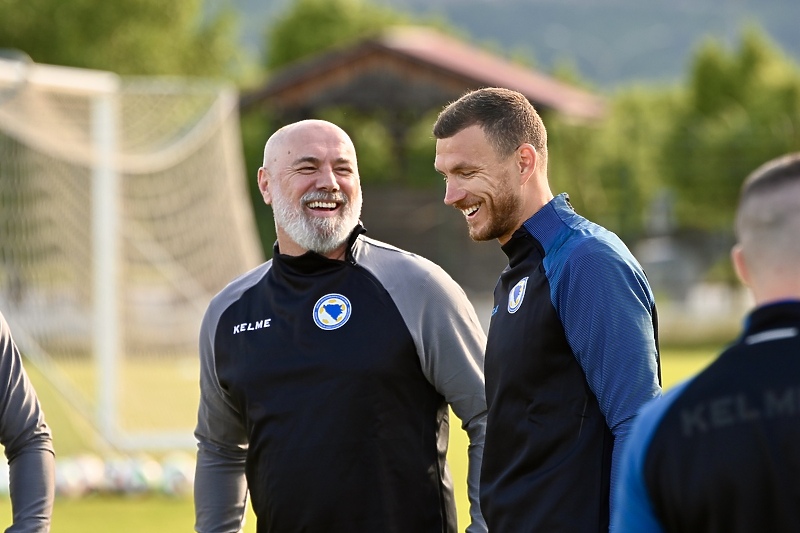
123, 210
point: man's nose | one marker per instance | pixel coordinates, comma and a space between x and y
452, 192
326, 179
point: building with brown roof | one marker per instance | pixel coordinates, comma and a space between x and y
412, 69
399, 76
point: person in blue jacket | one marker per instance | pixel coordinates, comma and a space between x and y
721, 452
572, 351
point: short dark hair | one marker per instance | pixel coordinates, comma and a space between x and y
507, 118
767, 179
772, 175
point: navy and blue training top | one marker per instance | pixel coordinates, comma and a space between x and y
721, 452
325, 384
571, 356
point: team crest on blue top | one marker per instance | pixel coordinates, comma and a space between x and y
332, 311
516, 294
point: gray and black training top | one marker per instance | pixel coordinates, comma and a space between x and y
27, 441
326, 383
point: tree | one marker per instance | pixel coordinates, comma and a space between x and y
610, 168
139, 37
311, 26
740, 109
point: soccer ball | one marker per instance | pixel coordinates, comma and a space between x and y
92, 468
117, 474
70, 481
178, 474
147, 474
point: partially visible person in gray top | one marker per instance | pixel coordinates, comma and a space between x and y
326, 372
27, 441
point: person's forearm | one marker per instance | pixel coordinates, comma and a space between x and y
32, 488
220, 491
476, 429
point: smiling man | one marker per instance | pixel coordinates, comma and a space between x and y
572, 351
326, 372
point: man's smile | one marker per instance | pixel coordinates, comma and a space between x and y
328, 206
471, 210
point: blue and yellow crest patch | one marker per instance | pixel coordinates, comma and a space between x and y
332, 311
516, 294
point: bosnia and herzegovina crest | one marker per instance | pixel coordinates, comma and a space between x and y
332, 311
516, 294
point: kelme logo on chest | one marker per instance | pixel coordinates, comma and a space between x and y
332, 311
516, 295
251, 326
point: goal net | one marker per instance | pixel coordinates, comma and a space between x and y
123, 210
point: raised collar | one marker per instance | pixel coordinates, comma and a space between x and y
546, 223
772, 316
309, 262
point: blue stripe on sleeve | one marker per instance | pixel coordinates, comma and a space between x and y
606, 307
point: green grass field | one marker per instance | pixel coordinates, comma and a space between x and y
162, 514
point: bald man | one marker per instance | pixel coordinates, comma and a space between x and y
326, 372
721, 452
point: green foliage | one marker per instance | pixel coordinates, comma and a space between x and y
371, 139
311, 26
610, 168
737, 110
565, 69
741, 108
141, 37
256, 128
421, 153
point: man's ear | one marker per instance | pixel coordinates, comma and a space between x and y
526, 162
739, 264
263, 179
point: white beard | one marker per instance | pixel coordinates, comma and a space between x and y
317, 234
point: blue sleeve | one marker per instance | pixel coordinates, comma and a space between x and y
606, 307
632, 508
